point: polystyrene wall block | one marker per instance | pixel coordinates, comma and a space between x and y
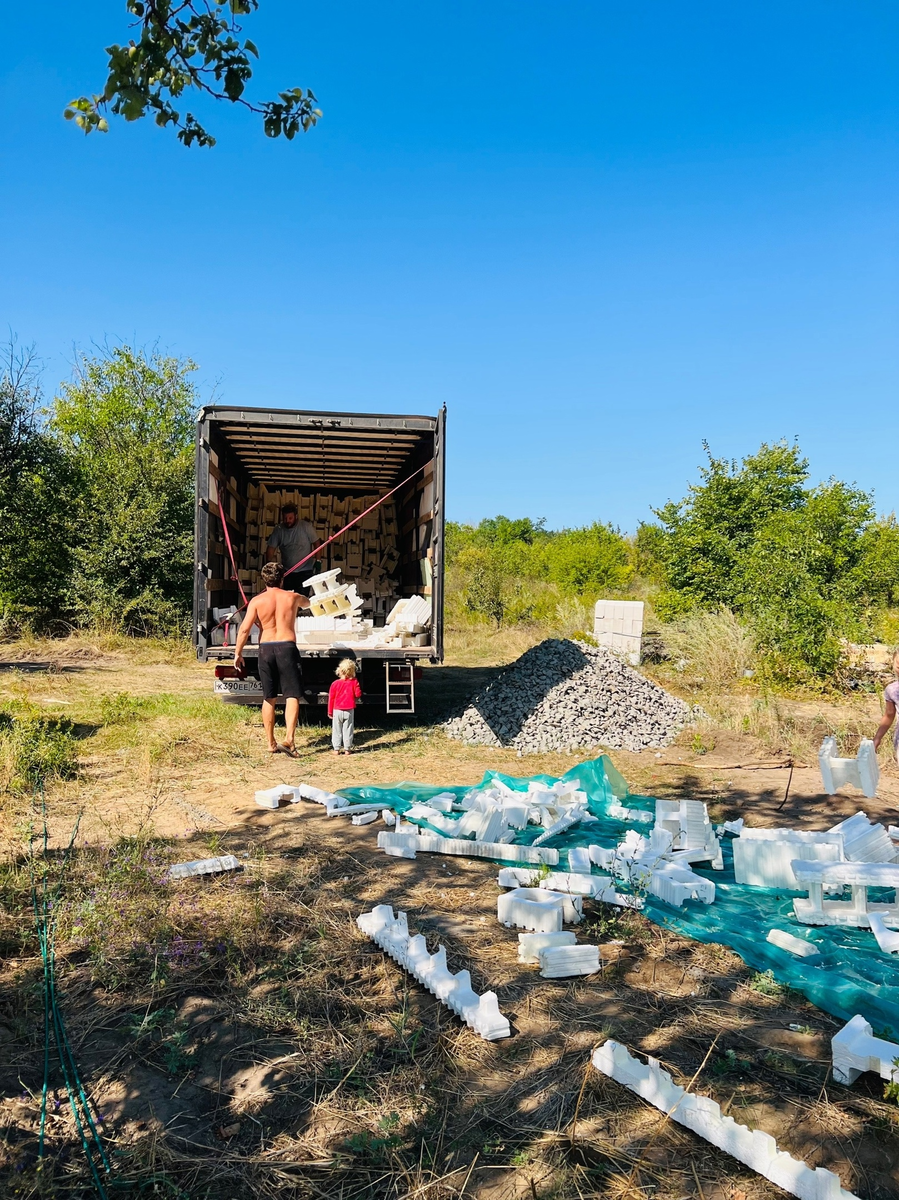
579, 860
398, 845
574, 884
675, 884
856, 1050
345, 810
887, 940
858, 876
564, 822
865, 841
618, 624
789, 941
366, 818
862, 772
307, 792
531, 908
203, 866
388, 817
391, 933
560, 962
763, 857
758, 1150
273, 796
539, 856
513, 877
530, 944
620, 813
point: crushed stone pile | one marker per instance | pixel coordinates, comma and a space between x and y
567, 695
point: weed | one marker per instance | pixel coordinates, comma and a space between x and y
35, 748
891, 1089
729, 1064
765, 984
121, 708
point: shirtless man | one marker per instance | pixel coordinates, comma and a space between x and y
275, 612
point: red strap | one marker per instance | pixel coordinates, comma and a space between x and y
224, 520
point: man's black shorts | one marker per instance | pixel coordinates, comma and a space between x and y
279, 670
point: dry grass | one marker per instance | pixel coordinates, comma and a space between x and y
244, 1040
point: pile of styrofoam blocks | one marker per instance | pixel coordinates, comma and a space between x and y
764, 857
862, 772
543, 912
391, 933
693, 838
753, 1147
330, 598
856, 1050
652, 863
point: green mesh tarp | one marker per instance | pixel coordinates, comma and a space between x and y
850, 974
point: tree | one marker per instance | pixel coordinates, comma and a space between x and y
126, 425
34, 541
183, 45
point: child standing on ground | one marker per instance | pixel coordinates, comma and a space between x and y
891, 700
342, 697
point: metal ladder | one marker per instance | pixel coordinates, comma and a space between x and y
399, 681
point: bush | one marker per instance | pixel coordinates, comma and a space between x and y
35, 749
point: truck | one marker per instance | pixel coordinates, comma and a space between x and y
332, 466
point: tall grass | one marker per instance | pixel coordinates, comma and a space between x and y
714, 647
35, 748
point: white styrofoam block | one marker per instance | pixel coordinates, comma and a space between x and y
273, 796
443, 803
789, 941
865, 840
343, 809
675, 884
366, 818
734, 827
515, 815
564, 822
398, 845
858, 876
620, 813
574, 884
579, 860
618, 625
763, 857
513, 877
391, 933
203, 866
893, 831
757, 1149
531, 908
307, 792
560, 962
530, 944
856, 1050
388, 817
862, 772
887, 940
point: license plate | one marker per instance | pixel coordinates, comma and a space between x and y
237, 687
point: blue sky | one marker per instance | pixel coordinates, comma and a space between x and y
598, 232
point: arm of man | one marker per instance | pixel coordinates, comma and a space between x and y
243, 634
271, 550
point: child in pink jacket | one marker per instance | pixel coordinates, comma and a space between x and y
342, 697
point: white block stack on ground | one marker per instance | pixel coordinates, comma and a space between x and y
391, 933
203, 866
537, 909
561, 962
758, 1150
618, 625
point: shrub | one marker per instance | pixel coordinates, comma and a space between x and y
34, 749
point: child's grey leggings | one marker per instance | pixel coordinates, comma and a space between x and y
342, 726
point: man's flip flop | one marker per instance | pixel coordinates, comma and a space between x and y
290, 751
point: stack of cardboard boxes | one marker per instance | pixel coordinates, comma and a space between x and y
366, 554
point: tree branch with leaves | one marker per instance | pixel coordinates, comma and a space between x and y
184, 45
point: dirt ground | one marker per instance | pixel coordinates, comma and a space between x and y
318, 1068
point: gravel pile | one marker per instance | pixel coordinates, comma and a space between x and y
564, 695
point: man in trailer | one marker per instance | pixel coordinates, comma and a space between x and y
293, 539
275, 612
